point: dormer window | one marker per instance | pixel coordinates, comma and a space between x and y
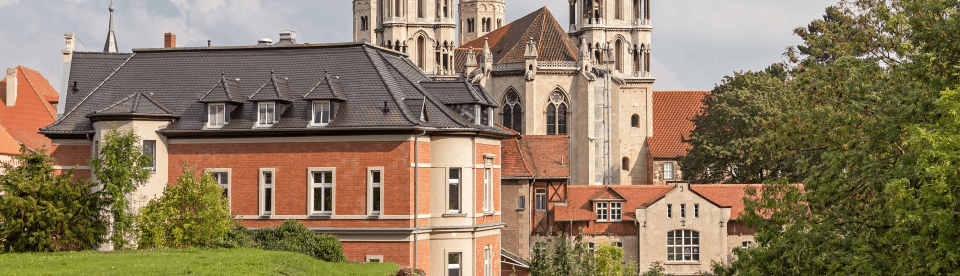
321, 113
267, 112
216, 115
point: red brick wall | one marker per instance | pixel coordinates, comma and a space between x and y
494, 242
395, 252
69, 156
479, 188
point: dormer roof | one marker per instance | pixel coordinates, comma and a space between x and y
225, 91
274, 90
137, 104
608, 194
327, 89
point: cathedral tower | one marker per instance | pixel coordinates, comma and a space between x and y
425, 29
480, 17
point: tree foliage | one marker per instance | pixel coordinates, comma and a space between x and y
42, 211
609, 261
120, 169
291, 236
561, 255
871, 131
192, 213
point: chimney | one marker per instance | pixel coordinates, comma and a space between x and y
287, 37
67, 52
265, 42
11, 97
169, 40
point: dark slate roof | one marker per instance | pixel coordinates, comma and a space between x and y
373, 82
459, 92
275, 89
137, 104
327, 89
224, 92
88, 70
508, 43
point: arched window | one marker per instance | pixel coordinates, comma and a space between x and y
619, 55
512, 112
557, 114
625, 164
683, 246
635, 120
420, 8
618, 8
499, 23
397, 8
421, 52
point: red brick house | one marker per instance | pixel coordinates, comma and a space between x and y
673, 114
350, 139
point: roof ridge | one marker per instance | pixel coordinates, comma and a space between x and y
95, 90
390, 89
523, 160
115, 104
156, 103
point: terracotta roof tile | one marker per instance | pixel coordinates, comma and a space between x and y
8, 145
31, 111
728, 195
536, 156
508, 43
673, 112
580, 205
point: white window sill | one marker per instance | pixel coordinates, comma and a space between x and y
320, 215
319, 125
454, 215
682, 263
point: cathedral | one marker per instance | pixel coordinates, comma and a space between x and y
590, 82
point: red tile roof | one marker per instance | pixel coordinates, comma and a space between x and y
673, 112
536, 156
728, 195
580, 205
31, 111
508, 43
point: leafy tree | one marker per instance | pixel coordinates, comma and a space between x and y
192, 213
44, 211
120, 169
558, 254
656, 269
609, 261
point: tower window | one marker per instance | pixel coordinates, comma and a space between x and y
512, 112
635, 120
557, 114
626, 163
420, 8
618, 8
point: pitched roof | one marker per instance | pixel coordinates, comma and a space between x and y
729, 195
673, 112
374, 83
31, 111
137, 104
580, 205
507, 44
536, 156
327, 89
224, 92
274, 89
459, 92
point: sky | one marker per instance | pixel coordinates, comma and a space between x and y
695, 42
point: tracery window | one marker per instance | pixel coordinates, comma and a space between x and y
557, 114
512, 112
683, 246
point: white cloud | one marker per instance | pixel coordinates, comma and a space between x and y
666, 78
9, 2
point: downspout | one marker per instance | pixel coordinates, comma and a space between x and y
416, 194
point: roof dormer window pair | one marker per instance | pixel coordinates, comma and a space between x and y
272, 96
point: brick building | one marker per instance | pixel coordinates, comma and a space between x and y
350, 139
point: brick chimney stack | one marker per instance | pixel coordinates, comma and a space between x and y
169, 40
11, 97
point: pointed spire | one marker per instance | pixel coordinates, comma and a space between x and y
487, 55
471, 59
111, 45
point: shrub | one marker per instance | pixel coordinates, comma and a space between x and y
44, 212
192, 213
291, 236
409, 271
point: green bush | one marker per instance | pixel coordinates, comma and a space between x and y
42, 212
292, 236
192, 213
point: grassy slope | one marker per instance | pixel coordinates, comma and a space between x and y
182, 262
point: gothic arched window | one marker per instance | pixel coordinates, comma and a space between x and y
619, 55
557, 114
618, 8
512, 112
421, 52
397, 7
635, 120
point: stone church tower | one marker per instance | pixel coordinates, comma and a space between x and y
425, 29
480, 17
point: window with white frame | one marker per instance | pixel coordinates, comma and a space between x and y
321, 113
375, 191
683, 210
453, 264
746, 244
150, 150
683, 246
266, 113
267, 181
216, 115
541, 199
616, 211
668, 170
602, 211
222, 176
453, 189
669, 210
696, 210
321, 192
488, 190
487, 270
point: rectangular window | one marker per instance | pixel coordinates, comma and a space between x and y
488, 190
266, 191
453, 179
669, 210
321, 191
453, 264
486, 262
745, 244
321, 113
696, 210
683, 210
222, 176
150, 150
521, 203
375, 188
602, 211
216, 115
266, 113
618, 244
591, 246
616, 211
668, 170
541, 200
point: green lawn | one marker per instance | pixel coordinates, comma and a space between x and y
182, 262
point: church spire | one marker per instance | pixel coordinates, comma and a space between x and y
111, 44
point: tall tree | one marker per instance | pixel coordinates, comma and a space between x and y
120, 168
42, 211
